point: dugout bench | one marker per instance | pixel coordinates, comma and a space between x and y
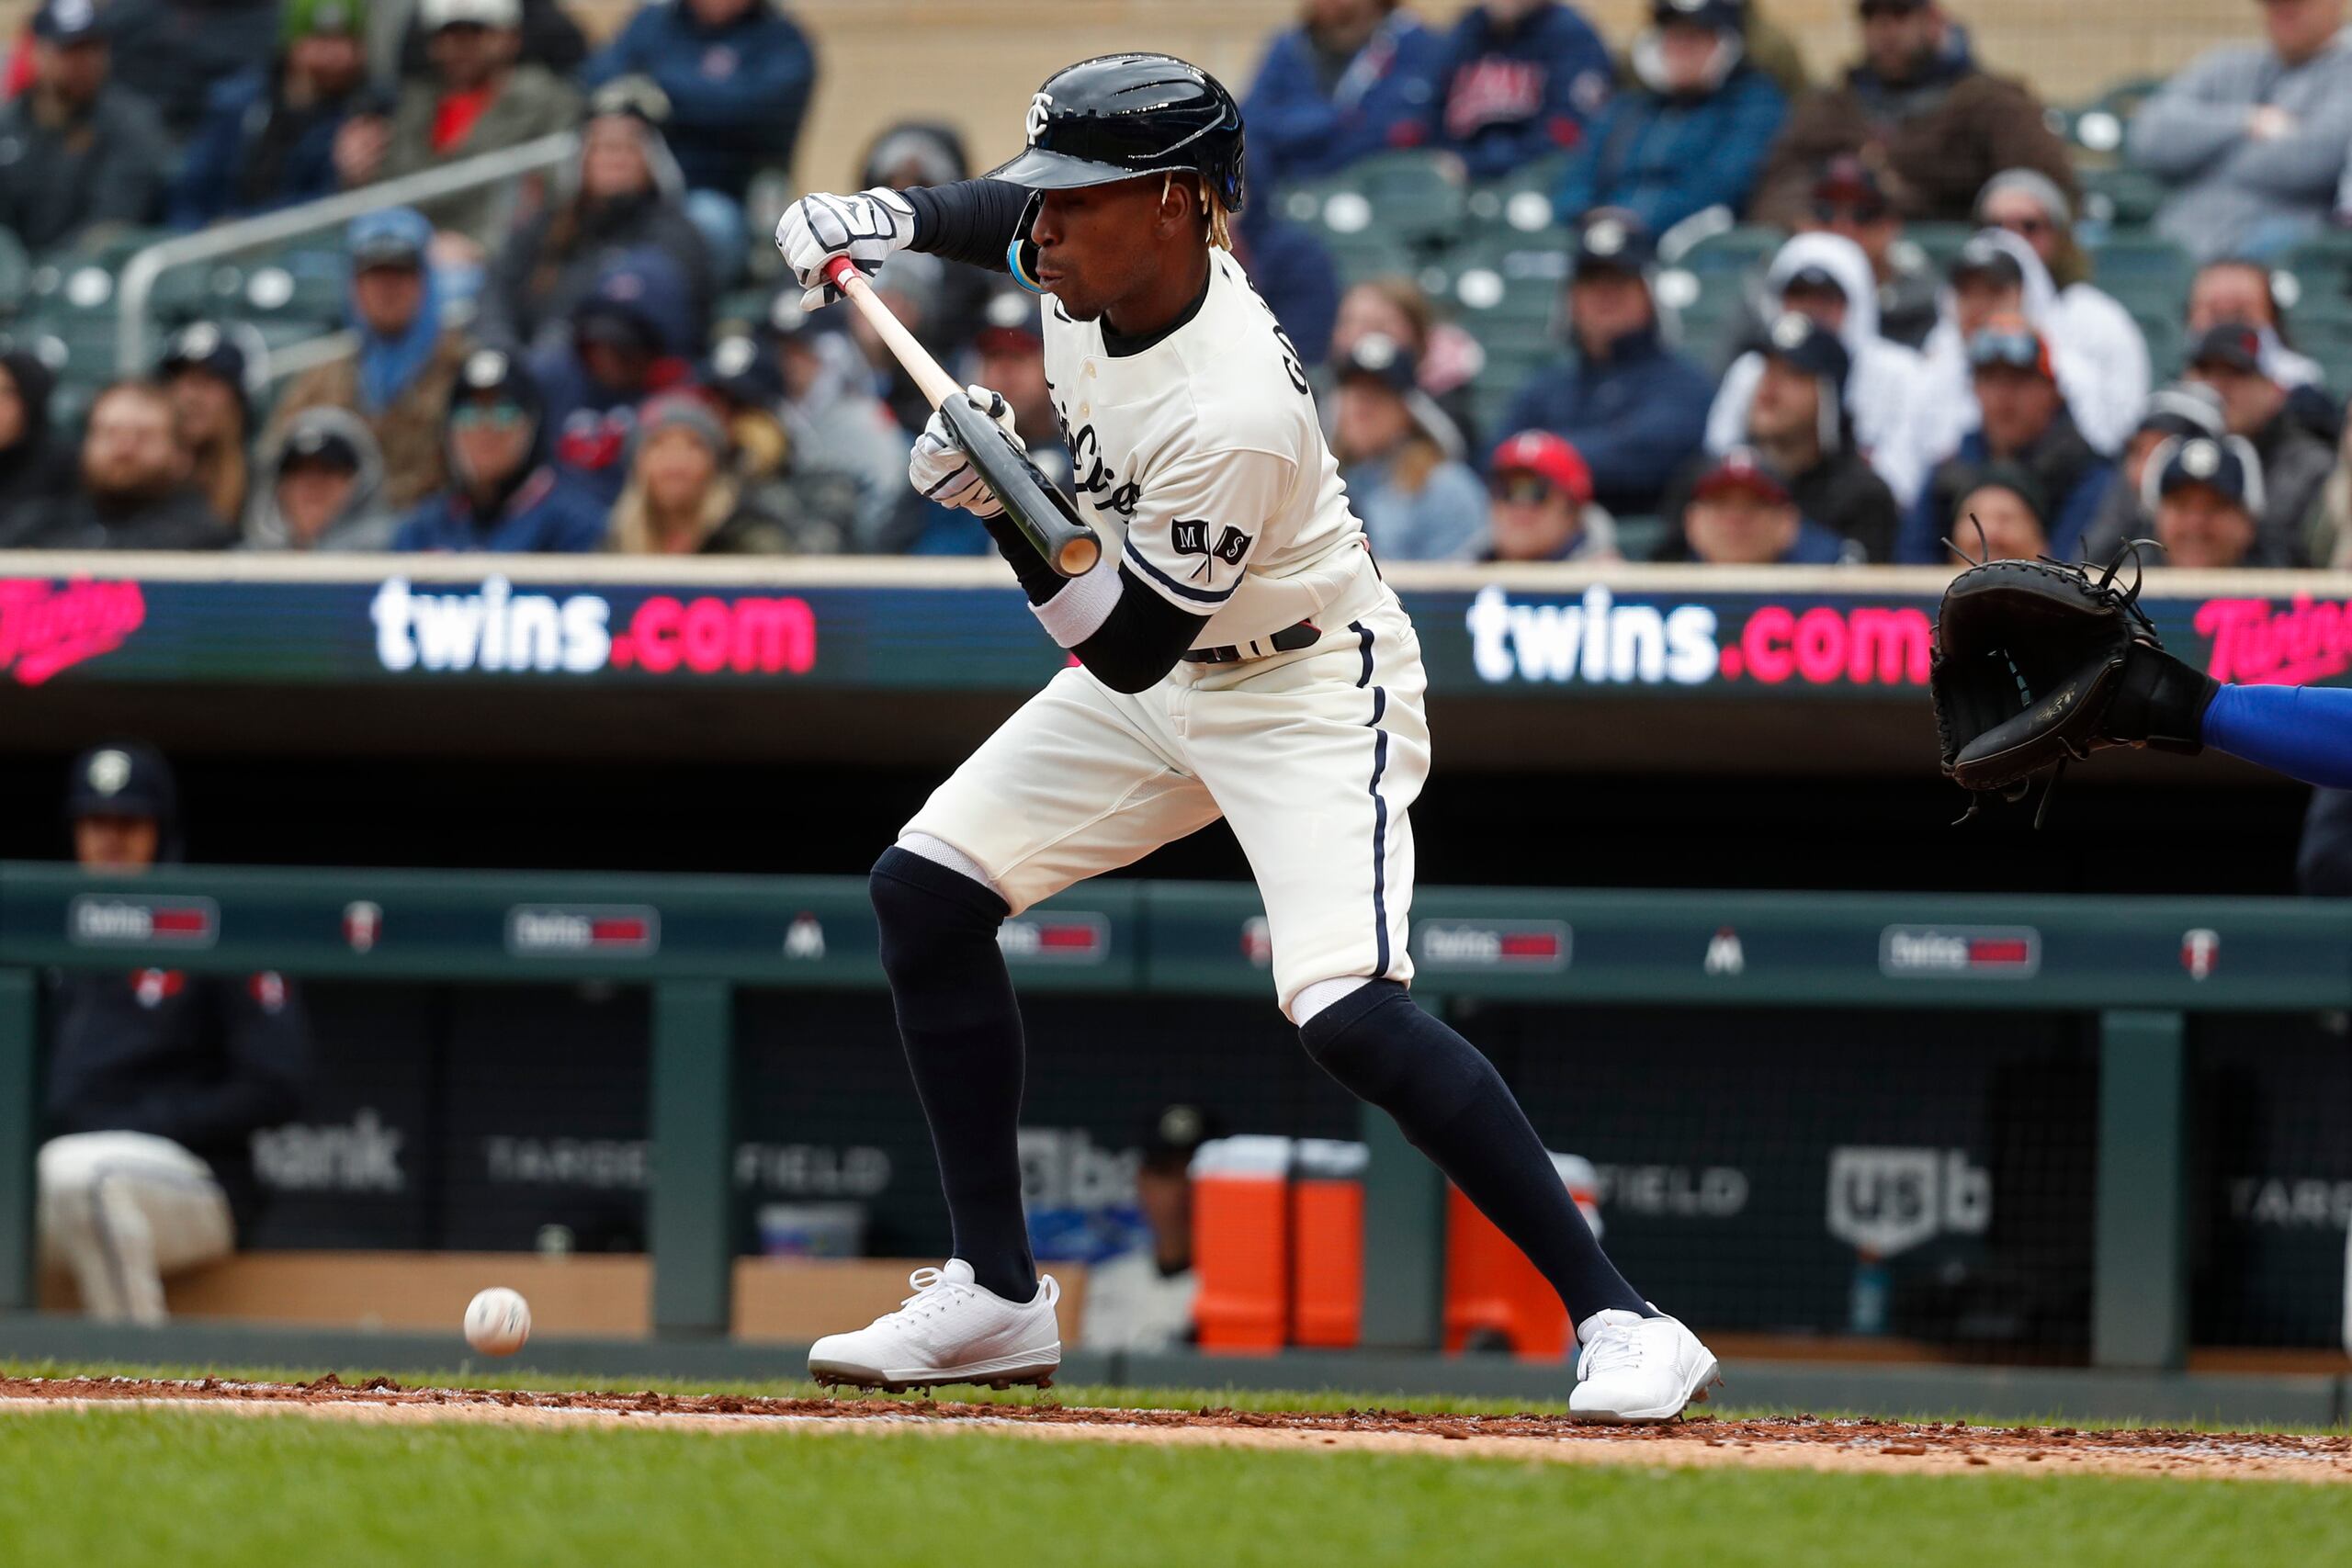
2139, 967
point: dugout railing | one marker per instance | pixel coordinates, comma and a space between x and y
2140, 967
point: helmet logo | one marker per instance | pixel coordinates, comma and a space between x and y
1039, 107
110, 773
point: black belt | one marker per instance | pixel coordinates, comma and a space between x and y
1290, 639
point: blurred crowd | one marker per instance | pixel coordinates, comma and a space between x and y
595, 364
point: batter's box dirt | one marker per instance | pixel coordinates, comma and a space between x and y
1793, 1441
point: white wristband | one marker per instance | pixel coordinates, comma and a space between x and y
1077, 612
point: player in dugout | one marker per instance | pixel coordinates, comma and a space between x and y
158, 1079
1237, 656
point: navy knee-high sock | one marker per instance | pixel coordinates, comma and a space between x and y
1454, 1108
962, 1032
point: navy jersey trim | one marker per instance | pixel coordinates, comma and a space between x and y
1379, 806
1197, 595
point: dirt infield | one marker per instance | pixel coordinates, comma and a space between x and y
1793, 1441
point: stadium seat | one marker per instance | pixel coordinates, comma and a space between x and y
2321, 327
1638, 539
2135, 267
1520, 203
2121, 198
1415, 199
2096, 129
2166, 339
2322, 265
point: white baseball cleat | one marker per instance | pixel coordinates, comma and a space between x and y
1630, 1368
950, 1330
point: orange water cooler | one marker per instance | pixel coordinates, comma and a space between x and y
1326, 1243
1493, 1294
1241, 1243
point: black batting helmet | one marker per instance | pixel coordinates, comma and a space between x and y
1124, 115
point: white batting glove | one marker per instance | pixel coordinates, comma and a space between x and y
867, 228
938, 468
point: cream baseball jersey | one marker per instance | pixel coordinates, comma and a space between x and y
1200, 459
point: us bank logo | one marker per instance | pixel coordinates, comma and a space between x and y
1888, 1201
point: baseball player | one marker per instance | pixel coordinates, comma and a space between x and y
1237, 656
157, 1078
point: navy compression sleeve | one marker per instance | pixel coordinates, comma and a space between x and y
971, 221
2304, 732
1134, 645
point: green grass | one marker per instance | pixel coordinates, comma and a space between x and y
136, 1486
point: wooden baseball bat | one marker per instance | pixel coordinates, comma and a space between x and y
1041, 511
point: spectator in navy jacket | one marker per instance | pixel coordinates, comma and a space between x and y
1354, 78
739, 74
267, 139
506, 495
2025, 422
629, 339
1693, 134
1633, 407
1523, 79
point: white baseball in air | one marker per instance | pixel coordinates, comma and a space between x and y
498, 1321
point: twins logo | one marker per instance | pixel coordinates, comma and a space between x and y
1190, 537
1040, 108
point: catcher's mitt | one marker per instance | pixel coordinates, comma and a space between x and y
2037, 664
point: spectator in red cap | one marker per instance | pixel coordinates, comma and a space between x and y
1416, 503
2234, 360
1008, 355
1741, 515
2023, 419
1542, 507
1850, 200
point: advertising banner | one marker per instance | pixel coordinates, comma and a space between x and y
1860, 644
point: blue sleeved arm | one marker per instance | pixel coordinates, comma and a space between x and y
2304, 732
